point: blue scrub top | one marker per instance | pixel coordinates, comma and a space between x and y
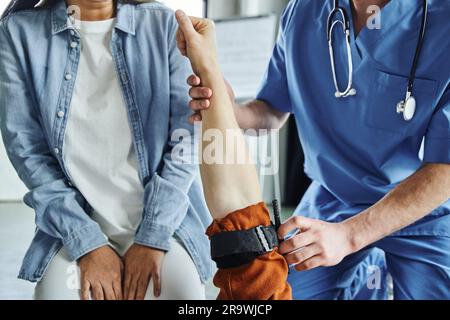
357, 149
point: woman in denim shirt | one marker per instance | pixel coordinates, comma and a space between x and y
93, 109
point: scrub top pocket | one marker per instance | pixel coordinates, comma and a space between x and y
387, 91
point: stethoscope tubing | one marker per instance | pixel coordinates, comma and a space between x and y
345, 22
331, 24
420, 42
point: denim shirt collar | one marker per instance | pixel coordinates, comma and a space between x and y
125, 18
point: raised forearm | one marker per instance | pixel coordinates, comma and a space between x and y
230, 183
234, 184
410, 201
220, 115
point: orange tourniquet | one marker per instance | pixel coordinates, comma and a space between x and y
264, 278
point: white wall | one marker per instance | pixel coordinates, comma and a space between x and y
227, 8
3, 4
191, 7
218, 9
256, 7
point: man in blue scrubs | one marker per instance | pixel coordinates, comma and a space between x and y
375, 204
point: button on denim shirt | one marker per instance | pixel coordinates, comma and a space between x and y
38, 68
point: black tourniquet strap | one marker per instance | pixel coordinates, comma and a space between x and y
237, 248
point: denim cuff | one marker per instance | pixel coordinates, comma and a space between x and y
154, 236
84, 241
165, 210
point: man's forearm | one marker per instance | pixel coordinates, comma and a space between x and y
259, 115
410, 201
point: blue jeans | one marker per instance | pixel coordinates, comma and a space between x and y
419, 266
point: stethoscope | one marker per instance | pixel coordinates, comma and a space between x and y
407, 107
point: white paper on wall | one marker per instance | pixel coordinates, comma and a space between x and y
245, 46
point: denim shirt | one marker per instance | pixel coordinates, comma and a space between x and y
39, 56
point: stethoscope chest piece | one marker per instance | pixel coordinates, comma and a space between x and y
407, 107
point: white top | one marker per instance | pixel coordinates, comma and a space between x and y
99, 153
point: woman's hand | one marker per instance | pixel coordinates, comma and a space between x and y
142, 264
101, 275
196, 39
319, 243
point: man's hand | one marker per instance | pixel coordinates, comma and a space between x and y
142, 264
196, 39
318, 244
101, 275
201, 97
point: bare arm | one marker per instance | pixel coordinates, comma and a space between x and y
228, 186
255, 114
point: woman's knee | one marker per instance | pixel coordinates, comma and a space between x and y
61, 280
180, 279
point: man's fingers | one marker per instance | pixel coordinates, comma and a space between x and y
200, 93
309, 264
156, 284
301, 240
199, 105
196, 117
185, 23
301, 255
85, 289
194, 81
300, 223
97, 291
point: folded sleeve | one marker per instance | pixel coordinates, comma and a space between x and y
437, 139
